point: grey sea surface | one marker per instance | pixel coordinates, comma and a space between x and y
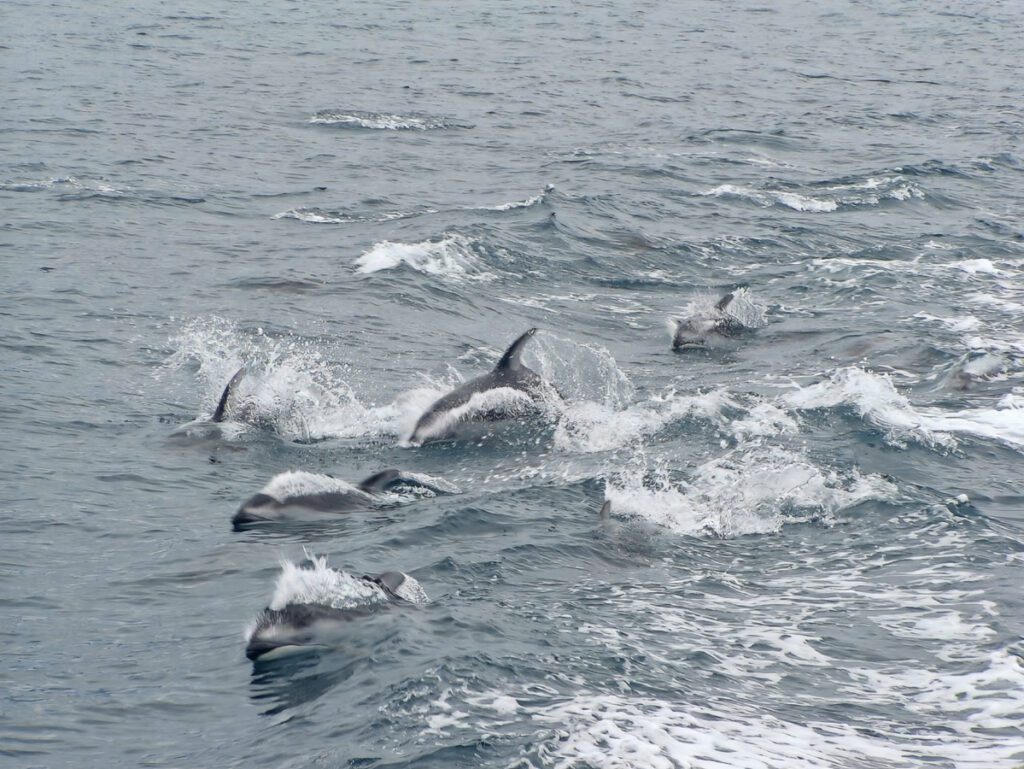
815, 553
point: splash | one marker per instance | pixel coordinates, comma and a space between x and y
289, 388
320, 584
299, 483
750, 490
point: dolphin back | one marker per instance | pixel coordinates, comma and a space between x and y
386, 479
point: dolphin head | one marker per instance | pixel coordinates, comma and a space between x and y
692, 333
259, 508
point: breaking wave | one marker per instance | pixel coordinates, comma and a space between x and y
383, 121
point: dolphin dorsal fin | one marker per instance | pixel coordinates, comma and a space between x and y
222, 404
511, 358
724, 302
606, 510
379, 482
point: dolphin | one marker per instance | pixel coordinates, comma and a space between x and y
694, 332
210, 428
295, 495
304, 627
454, 408
976, 367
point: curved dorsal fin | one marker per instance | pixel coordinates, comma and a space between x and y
606, 510
378, 482
222, 404
511, 358
724, 302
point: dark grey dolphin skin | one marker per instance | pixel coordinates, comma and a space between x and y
263, 508
509, 372
304, 627
222, 404
606, 511
694, 332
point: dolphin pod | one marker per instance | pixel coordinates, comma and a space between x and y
509, 390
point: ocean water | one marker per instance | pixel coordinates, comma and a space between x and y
815, 552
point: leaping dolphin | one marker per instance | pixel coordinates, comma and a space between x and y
298, 495
454, 408
304, 627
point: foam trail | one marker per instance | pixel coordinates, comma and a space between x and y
751, 490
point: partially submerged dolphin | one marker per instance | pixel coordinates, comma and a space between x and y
695, 331
229, 389
456, 407
298, 495
303, 627
207, 428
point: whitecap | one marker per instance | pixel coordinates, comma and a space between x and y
876, 400
382, 121
452, 257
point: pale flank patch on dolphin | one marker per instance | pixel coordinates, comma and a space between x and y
509, 390
297, 495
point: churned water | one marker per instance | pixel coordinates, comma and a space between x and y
814, 555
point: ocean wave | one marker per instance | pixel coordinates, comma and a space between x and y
1004, 423
65, 183
875, 399
452, 257
527, 203
792, 200
383, 121
624, 731
824, 197
324, 216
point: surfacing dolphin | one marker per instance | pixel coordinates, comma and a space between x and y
207, 428
302, 627
456, 407
300, 495
695, 332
